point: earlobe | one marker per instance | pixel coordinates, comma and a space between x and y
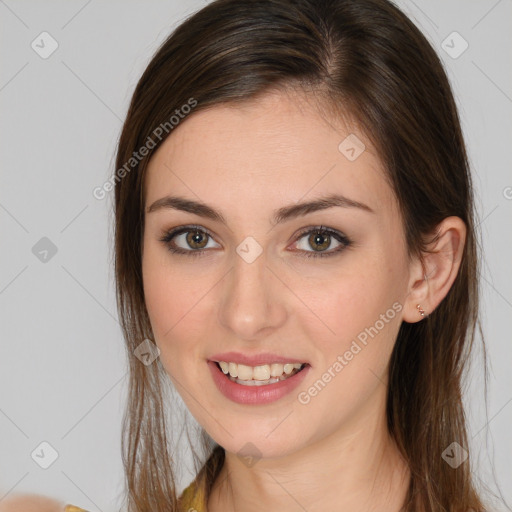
433, 276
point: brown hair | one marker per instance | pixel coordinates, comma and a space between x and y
367, 59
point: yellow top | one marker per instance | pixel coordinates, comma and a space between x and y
191, 500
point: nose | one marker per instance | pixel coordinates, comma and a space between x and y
252, 303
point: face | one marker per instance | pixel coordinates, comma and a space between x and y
264, 283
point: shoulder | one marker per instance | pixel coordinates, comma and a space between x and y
35, 503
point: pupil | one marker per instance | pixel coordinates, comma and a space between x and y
195, 237
317, 240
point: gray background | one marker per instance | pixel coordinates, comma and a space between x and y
62, 364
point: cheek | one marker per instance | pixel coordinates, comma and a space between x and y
170, 300
358, 295
351, 364
359, 312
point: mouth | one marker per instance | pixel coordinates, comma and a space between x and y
261, 375
257, 385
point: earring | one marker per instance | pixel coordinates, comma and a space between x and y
421, 311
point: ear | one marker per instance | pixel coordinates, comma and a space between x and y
432, 277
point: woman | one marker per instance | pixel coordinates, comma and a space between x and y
295, 251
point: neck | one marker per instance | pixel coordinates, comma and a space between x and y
357, 468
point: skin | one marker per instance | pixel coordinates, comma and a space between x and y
30, 503
333, 453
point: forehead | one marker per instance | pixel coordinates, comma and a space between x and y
279, 148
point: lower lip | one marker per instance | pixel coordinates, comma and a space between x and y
255, 395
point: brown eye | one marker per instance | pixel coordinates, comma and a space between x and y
197, 239
188, 240
320, 239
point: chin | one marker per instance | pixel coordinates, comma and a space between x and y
258, 441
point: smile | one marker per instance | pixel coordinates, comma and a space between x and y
260, 375
259, 384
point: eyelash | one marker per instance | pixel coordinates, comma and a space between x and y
321, 230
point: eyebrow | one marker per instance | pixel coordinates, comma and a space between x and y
281, 215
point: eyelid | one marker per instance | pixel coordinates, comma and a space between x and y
322, 229
169, 235
339, 236
344, 240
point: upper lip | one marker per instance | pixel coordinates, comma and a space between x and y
253, 360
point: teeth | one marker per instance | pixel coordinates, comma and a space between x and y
288, 368
276, 369
233, 369
244, 372
256, 382
261, 372
258, 375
